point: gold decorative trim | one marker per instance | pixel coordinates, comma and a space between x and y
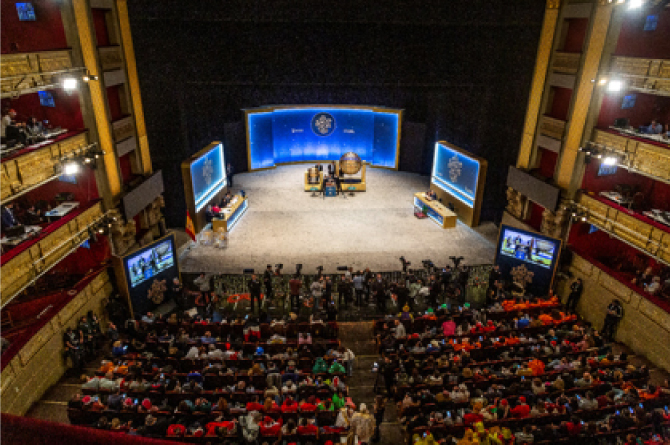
553, 4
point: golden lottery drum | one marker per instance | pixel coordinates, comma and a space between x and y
350, 163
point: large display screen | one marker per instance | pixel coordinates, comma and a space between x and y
208, 174
526, 254
155, 262
295, 134
455, 173
149, 262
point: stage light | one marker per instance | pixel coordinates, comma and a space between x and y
69, 83
635, 4
615, 85
602, 81
71, 168
609, 161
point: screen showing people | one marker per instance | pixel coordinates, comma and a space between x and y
150, 262
528, 247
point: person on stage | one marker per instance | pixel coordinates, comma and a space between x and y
229, 174
430, 194
254, 292
331, 169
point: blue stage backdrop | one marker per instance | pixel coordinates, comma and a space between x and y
455, 173
208, 174
309, 133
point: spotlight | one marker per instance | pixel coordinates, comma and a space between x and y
615, 85
71, 168
69, 83
602, 81
635, 4
583, 218
609, 161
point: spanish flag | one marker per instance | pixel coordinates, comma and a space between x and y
190, 229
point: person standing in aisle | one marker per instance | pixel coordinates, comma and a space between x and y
612, 318
254, 292
576, 289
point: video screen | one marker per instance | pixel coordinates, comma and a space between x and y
528, 247
150, 262
46, 98
455, 173
208, 174
26, 12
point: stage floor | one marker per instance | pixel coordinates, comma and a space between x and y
285, 224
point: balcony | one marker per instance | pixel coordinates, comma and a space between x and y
30, 70
635, 229
567, 63
123, 128
31, 166
110, 57
552, 127
649, 75
646, 157
30, 259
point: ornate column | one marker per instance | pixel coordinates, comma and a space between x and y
555, 224
544, 48
516, 203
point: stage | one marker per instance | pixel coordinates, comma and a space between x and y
284, 224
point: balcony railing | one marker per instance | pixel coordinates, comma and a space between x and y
642, 73
567, 63
24, 268
552, 127
110, 57
644, 158
123, 128
30, 70
626, 226
34, 167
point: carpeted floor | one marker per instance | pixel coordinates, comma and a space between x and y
373, 229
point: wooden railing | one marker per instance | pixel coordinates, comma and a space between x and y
20, 271
627, 227
649, 74
36, 166
552, 127
567, 63
26, 70
646, 158
110, 57
123, 128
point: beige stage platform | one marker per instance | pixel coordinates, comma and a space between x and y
285, 224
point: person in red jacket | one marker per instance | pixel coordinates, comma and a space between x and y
522, 410
306, 407
268, 427
255, 405
307, 428
289, 405
176, 430
212, 427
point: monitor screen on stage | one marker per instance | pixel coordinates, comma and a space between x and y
455, 173
208, 175
292, 134
537, 253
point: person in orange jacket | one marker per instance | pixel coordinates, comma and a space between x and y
537, 366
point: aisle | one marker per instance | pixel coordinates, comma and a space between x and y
359, 338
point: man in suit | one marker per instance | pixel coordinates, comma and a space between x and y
267, 281
8, 219
331, 168
229, 174
254, 292
378, 287
209, 213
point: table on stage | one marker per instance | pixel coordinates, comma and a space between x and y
231, 215
439, 213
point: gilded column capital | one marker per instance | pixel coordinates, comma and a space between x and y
553, 4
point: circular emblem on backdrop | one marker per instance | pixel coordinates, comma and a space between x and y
323, 124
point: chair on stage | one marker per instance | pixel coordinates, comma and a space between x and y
206, 237
221, 238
